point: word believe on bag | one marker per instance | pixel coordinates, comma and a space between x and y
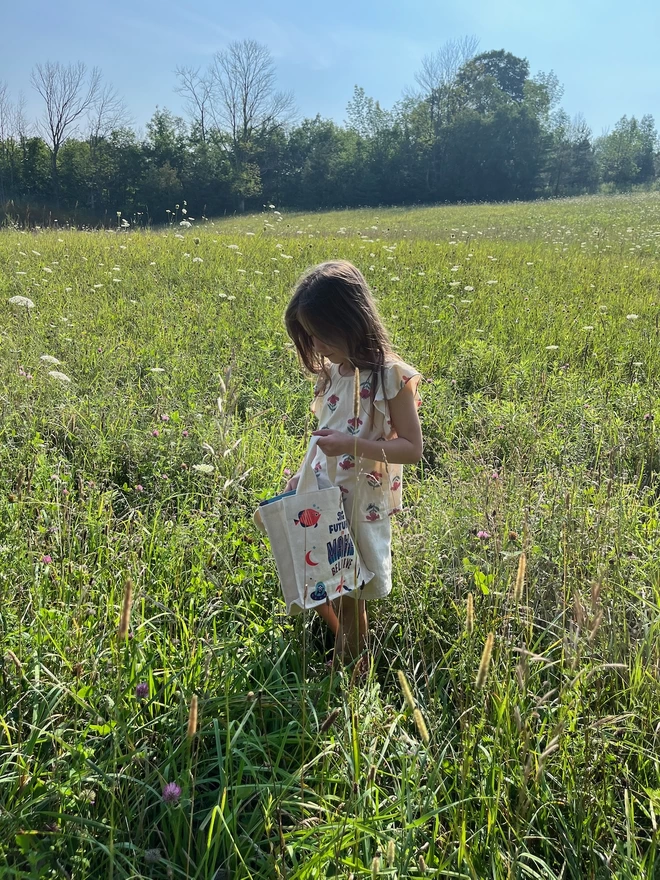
316, 556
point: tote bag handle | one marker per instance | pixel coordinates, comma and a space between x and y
307, 481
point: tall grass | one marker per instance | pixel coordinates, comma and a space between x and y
210, 740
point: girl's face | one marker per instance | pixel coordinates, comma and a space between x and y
328, 350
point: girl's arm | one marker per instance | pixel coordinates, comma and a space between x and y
405, 448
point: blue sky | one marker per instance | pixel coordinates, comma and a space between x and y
605, 53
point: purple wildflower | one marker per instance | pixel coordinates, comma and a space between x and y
171, 793
184, 433
164, 417
46, 559
648, 417
139, 488
483, 536
155, 432
142, 690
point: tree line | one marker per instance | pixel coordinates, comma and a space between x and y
476, 127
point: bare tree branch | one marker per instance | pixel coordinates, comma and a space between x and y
107, 113
439, 70
199, 94
68, 94
243, 76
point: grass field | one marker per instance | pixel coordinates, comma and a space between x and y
536, 329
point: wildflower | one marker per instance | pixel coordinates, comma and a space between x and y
184, 433
551, 347
155, 433
171, 793
46, 559
61, 377
287, 471
483, 535
139, 488
49, 359
648, 417
203, 468
142, 690
186, 224
22, 301
164, 417
632, 317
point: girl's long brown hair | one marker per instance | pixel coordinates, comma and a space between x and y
333, 302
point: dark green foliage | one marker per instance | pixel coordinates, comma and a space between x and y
486, 131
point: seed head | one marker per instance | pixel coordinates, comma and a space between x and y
405, 687
192, 717
14, 659
421, 726
520, 578
391, 852
469, 615
485, 661
375, 867
126, 609
330, 720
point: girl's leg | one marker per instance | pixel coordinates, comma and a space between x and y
327, 613
353, 629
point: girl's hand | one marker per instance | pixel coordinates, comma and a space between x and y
333, 442
293, 483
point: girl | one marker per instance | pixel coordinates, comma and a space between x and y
336, 328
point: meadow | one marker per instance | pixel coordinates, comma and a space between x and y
150, 398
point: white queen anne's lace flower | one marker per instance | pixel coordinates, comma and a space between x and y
203, 468
22, 301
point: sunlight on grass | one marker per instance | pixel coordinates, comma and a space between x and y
210, 740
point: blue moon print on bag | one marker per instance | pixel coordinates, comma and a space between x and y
319, 592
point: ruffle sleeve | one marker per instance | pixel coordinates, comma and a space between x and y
395, 377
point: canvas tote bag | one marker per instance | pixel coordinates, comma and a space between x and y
317, 559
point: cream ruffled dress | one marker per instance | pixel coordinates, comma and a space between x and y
371, 489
